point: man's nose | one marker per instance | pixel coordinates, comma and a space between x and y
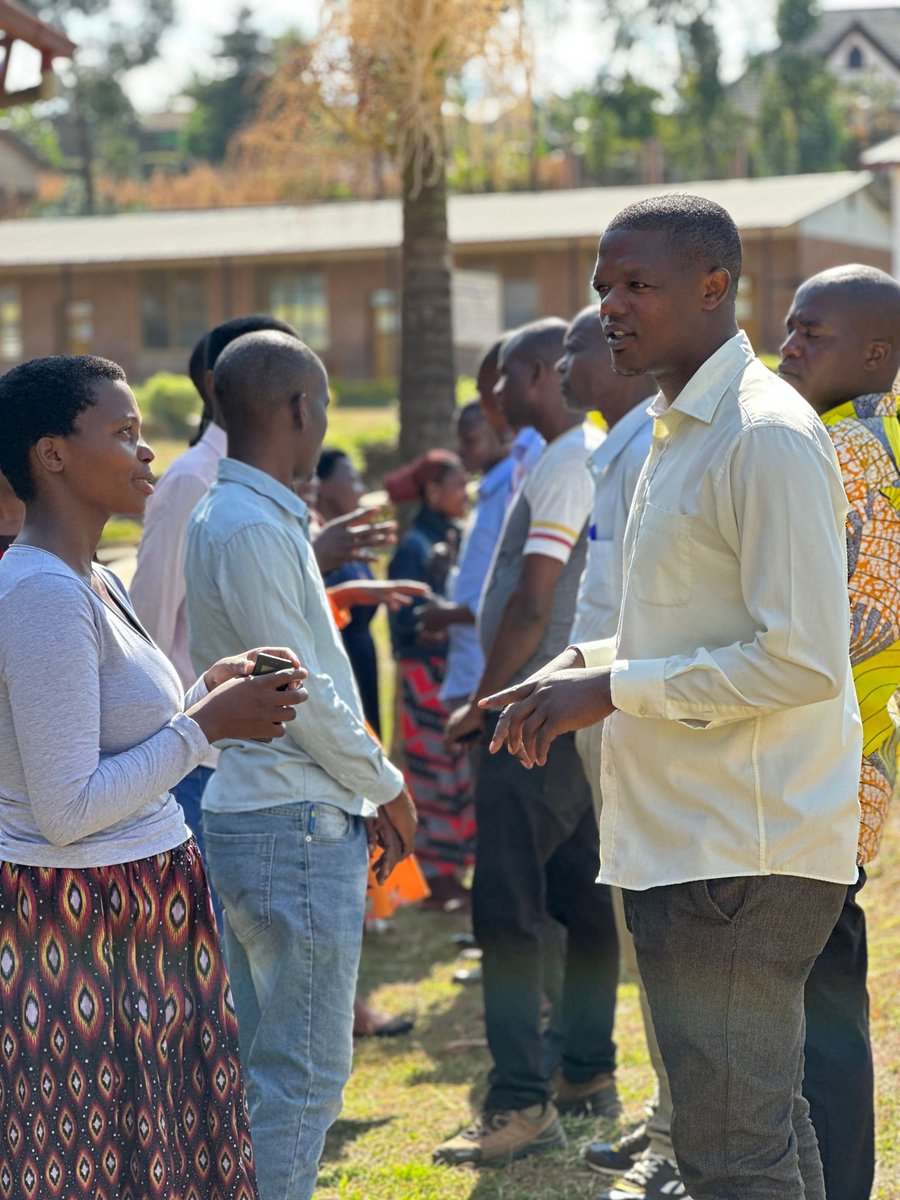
613, 303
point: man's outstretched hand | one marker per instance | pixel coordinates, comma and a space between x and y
353, 537
395, 593
537, 711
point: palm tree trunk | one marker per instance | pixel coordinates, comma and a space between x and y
427, 377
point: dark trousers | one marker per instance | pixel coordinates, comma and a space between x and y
724, 963
839, 1083
537, 852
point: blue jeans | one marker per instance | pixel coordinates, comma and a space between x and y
293, 883
189, 793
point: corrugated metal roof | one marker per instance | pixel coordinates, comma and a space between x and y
776, 203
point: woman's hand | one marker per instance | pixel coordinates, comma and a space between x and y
239, 665
395, 593
257, 707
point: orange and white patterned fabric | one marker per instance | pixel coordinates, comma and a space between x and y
866, 436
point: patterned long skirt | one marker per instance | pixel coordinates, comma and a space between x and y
440, 782
119, 1070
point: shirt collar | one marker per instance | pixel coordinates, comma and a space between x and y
216, 438
232, 471
874, 404
621, 435
703, 392
525, 439
496, 479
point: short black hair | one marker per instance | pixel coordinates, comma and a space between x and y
471, 409
44, 398
197, 368
328, 460
491, 358
692, 224
255, 373
229, 331
206, 353
537, 340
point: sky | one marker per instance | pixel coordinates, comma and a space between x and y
571, 50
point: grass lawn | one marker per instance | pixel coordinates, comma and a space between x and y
405, 1096
348, 428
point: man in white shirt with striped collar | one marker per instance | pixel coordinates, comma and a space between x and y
732, 753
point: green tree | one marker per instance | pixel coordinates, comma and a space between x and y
222, 104
699, 138
607, 127
91, 85
800, 125
385, 68
36, 132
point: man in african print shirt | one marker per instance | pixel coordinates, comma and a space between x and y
842, 354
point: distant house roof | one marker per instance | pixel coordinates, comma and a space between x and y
26, 28
880, 25
884, 154
369, 226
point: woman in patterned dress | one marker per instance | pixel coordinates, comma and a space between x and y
119, 1069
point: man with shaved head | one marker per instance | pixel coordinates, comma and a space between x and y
537, 834
286, 821
842, 354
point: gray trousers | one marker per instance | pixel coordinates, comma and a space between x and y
724, 962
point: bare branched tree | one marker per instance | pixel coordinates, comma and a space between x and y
385, 67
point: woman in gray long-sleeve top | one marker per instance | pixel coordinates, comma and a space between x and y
119, 1068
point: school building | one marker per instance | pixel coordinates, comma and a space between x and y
140, 288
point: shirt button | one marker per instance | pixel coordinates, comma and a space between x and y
659, 429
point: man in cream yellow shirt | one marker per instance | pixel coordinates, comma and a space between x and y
732, 750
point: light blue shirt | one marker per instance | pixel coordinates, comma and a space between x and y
615, 466
465, 660
252, 580
525, 451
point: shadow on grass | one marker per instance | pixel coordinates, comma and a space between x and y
343, 1133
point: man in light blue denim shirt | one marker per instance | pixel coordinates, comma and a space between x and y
481, 450
286, 842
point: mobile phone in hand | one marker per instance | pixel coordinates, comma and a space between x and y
268, 664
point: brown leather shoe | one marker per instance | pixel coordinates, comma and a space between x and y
598, 1097
498, 1138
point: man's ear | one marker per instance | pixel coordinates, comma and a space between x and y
46, 455
299, 407
876, 354
716, 287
